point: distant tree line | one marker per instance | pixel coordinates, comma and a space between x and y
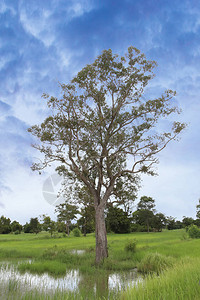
6, 226
118, 220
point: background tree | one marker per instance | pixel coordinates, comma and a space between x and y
158, 222
27, 228
178, 224
61, 226
52, 227
187, 221
5, 226
117, 220
145, 208
103, 129
87, 211
66, 213
47, 224
35, 226
87, 220
173, 224
16, 227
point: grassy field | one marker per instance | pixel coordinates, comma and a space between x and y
178, 280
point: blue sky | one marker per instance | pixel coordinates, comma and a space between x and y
46, 42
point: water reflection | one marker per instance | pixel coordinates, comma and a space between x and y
97, 284
123, 280
43, 282
74, 281
77, 252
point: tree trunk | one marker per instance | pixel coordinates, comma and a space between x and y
101, 237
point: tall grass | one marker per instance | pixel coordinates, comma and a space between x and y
155, 263
178, 283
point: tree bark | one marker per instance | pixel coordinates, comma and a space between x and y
101, 237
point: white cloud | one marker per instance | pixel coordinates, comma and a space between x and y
25, 200
78, 8
5, 7
41, 22
36, 26
176, 190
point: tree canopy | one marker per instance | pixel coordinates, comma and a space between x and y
102, 131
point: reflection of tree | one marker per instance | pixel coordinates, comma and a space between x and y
94, 286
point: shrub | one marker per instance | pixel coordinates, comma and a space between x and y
50, 253
76, 232
155, 263
194, 232
139, 228
184, 236
131, 246
17, 232
55, 235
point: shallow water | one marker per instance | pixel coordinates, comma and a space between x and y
77, 252
73, 281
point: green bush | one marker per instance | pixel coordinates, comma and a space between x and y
17, 232
139, 228
76, 232
194, 232
184, 236
50, 253
155, 263
131, 246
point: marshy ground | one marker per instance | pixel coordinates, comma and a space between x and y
169, 259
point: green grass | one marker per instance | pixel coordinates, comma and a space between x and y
178, 283
52, 255
155, 263
31, 245
52, 267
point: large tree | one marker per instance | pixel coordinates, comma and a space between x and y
102, 130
